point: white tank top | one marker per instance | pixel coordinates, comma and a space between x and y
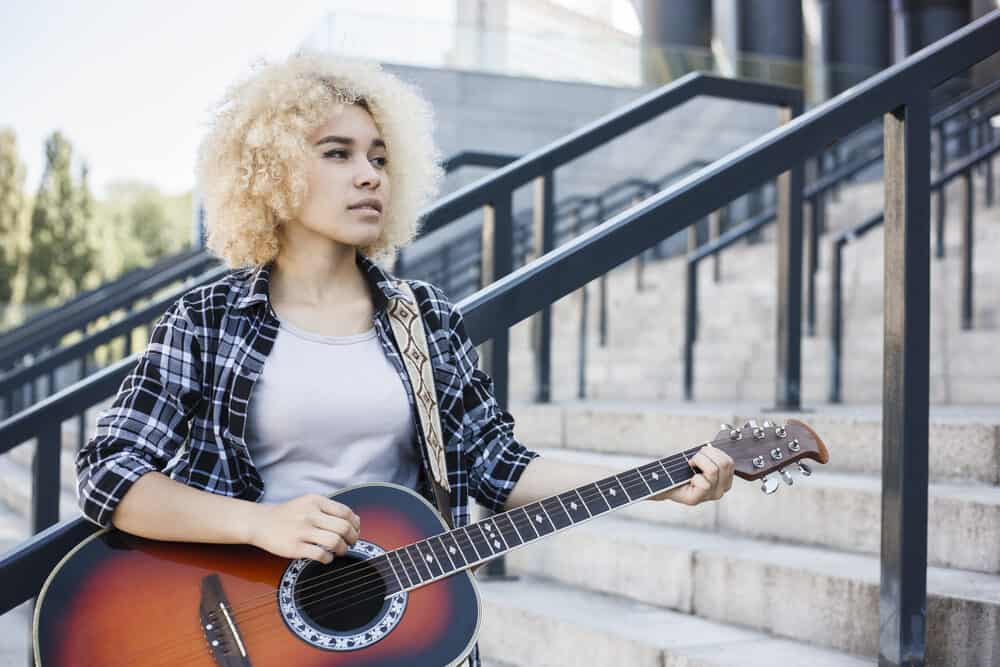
329, 412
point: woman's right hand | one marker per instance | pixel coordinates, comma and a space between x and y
311, 526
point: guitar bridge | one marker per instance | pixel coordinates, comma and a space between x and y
219, 625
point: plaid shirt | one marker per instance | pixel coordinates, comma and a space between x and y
182, 410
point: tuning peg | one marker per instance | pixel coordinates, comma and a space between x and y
734, 433
768, 423
768, 485
755, 429
787, 476
780, 431
804, 469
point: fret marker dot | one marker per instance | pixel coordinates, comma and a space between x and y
487, 526
451, 550
655, 476
572, 506
611, 491
496, 543
538, 518
429, 558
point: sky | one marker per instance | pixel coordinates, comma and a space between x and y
131, 82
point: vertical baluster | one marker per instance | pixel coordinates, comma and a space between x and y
836, 321
968, 243
906, 385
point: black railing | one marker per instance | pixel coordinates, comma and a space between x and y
901, 95
963, 170
815, 193
494, 194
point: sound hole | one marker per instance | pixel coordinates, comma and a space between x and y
341, 597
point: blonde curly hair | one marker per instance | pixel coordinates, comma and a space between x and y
251, 164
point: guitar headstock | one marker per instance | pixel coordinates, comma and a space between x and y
759, 449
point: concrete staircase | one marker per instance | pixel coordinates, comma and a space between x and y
754, 579
786, 579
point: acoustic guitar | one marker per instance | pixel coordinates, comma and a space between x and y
402, 595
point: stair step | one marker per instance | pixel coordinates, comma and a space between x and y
964, 441
542, 623
964, 519
816, 595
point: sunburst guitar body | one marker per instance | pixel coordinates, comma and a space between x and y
402, 596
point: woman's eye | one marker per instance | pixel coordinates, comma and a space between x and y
381, 160
335, 153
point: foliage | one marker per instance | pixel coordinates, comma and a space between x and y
13, 209
61, 254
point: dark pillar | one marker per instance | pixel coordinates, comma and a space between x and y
860, 39
676, 38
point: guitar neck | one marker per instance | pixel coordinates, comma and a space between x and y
459, 549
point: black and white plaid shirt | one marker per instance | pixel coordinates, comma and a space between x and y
183, 408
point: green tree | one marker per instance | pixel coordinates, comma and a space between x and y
61, 254
12, 216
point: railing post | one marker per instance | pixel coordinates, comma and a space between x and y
942, 195
906, 384
498, 246
45, 488
545, 226
789, 302
836, 321
690, 327
989, 166
714, 229
968, 243
812, 264
582, 388
603, 324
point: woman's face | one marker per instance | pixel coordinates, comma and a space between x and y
347, 166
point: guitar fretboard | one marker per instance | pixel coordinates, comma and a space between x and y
447, 553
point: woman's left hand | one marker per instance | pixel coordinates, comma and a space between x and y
715, 478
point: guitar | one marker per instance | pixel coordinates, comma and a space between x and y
402, 595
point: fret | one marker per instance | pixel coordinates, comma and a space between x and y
401, 566
669, 476
612, 491
557, 513
540, 520
596, 504
513, 535
583, 503
574, 510
455, 550
429, 558
444, 559
399, 580
479, 542
522, 514
489, 532
384, 568
468, 547
418, 563
642, 476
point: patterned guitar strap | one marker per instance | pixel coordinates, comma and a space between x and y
408, 329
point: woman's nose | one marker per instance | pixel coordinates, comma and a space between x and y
368, 176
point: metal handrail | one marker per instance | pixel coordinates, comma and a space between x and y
899, 93
815, 192
964, 170
43, 319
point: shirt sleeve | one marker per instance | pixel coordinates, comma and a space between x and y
494, 458
147, 423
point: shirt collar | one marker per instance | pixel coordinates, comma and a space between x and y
384, 285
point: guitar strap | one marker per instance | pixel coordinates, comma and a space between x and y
407, 326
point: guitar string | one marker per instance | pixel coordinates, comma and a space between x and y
631, 485
246, 622
243, 613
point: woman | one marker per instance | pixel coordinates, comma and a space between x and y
262, 393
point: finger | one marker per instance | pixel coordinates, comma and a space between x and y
316, 553
340, 510
328, 540
335, 525
707, 466
700, 488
